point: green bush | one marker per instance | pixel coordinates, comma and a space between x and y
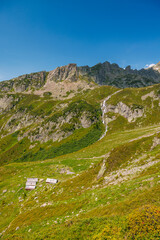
47, 94
67, 127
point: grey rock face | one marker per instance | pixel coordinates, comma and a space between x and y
85, 121
106, 74
18, 121
125, 111
24, 82
5, 103
50, 131
112, 74
68, 72
102, 73
156, 142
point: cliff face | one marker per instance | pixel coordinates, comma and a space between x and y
68, 78
69, 72
25, 82
112, 74
106, 74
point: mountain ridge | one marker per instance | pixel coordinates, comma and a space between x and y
101, 74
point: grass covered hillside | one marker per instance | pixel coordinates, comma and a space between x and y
108, 184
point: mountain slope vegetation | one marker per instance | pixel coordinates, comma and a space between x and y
108, 184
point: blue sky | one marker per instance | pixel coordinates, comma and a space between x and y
40, 35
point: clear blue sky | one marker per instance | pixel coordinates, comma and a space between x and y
40, 35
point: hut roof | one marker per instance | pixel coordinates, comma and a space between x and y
30, 183
30, 187
32, 179
51, 180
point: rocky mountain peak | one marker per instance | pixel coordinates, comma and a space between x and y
82, 77
128, 69
156, 67
68, 72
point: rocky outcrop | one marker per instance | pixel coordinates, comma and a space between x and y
18, 121
150, 94
125, 111
128, 173
43, 135
55, 130
102, 170
102, 74
5, 102
64, 89
30, 118
85, 120
65, 82
24, 83
111, 74
156, 142
69, 72
106, 74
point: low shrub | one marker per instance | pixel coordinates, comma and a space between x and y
144, 223
109, 232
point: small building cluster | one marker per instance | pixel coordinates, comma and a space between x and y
31, 182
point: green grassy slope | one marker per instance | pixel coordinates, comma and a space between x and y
83, 205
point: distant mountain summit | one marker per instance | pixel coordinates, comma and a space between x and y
68, 78
156, 67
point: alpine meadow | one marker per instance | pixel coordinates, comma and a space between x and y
80, 154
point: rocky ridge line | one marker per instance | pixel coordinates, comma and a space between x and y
73, 78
